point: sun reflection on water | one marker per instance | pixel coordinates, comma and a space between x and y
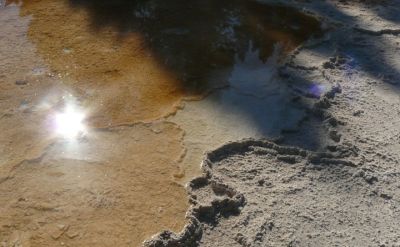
69, 123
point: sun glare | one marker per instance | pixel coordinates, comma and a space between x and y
69, 124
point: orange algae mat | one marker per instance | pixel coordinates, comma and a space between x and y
113, 188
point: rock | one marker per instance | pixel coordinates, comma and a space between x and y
63, 227
328, 65
21, 82
359, 173
71, 234
370, 178
358, 113
333, 121
332, 148
241, 239
386, 196
334, 90
56, 234
324, 103
335, 136
287, 158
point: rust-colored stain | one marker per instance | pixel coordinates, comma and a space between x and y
116, 75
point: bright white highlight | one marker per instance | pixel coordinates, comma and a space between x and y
69, 124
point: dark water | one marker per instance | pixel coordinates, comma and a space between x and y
194, 39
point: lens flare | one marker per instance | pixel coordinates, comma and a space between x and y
316, 90
69, 124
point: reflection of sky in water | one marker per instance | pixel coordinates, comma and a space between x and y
254, 104
255, 101
251, 76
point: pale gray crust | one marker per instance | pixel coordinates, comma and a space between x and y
339, 185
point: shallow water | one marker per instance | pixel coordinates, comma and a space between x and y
256, 104
157, 84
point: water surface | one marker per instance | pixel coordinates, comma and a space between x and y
158, 83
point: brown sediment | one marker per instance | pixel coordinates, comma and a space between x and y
113, 188
23, 136
115, 74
